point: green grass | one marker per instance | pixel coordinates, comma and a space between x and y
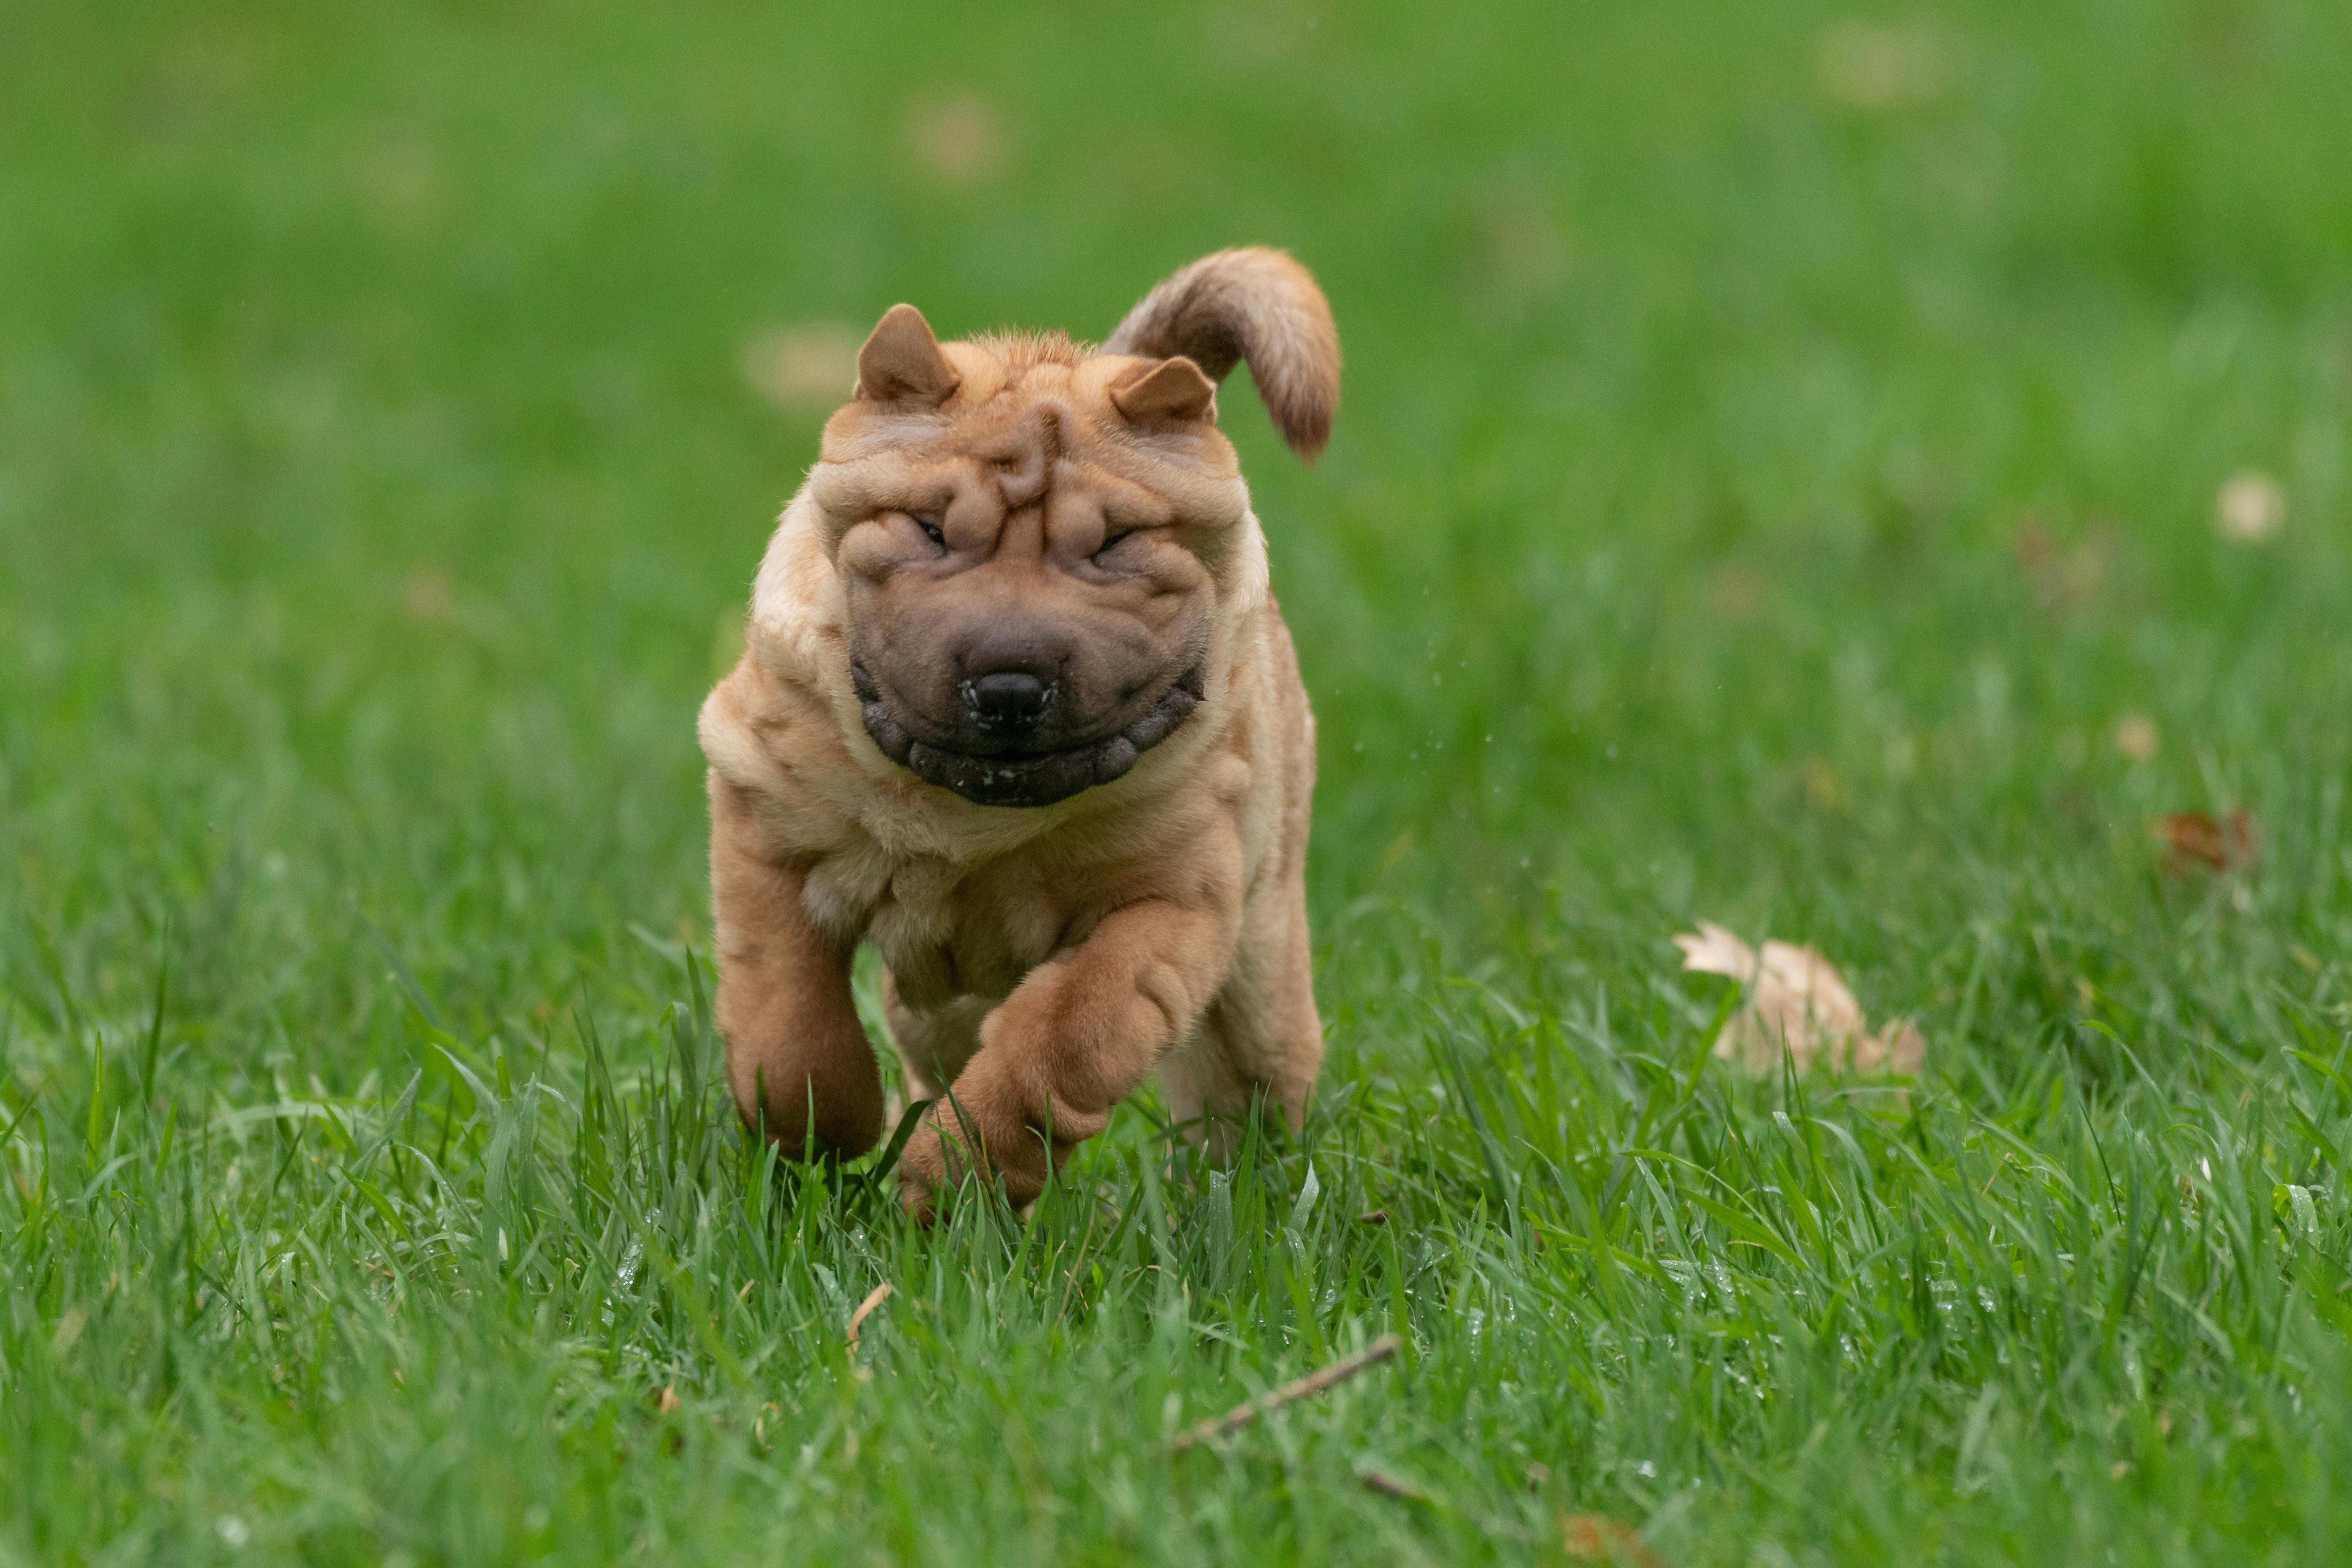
377, 484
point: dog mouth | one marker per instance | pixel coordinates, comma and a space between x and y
1025, 779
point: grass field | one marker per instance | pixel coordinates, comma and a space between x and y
1777, 484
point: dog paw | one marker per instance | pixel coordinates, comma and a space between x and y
922, 1170
916, 1199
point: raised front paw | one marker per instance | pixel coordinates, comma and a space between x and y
944, 1152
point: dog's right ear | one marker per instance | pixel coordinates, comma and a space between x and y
1172, 389
901, 362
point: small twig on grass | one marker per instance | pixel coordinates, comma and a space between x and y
1388, 1485
874, 1298
1314, 1383
1374, 1216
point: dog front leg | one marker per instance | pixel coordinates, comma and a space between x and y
797, 1058
1075, 1037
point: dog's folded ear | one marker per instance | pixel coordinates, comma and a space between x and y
901, 362
1172, 389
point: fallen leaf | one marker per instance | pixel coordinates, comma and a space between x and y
957, 138
208, 65
1597, 1538
2250, 509
1266, 32
874, 1298
1796, 1001
426, 595
1715, 951
1526, 245
807, 367
668, 1400
2065, 574
397, 178
1884, 66
2199, 838
1734, 590
1899, 1049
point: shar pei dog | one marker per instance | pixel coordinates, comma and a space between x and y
1017, 707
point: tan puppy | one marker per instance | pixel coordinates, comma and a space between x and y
1017, 707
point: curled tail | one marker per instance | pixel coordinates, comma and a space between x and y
1253, 304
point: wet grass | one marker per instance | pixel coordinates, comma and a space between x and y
1776, 484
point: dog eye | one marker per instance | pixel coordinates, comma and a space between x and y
929, 523
1112, 542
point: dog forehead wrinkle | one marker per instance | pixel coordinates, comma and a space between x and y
858, 488
1117, 499
1022, 460
868, 432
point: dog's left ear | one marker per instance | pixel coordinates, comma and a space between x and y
902, 362
1174, 389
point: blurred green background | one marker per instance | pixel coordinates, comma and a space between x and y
382, 462
1838, 473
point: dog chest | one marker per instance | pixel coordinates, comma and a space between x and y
947, 931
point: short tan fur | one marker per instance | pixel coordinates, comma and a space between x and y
1018, 708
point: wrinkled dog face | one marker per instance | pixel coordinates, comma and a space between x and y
1029, 540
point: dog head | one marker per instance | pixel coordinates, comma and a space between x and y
1034, 538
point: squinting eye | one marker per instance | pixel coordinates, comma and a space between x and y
932, 531
1111, 544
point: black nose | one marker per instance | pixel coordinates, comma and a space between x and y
1008, 696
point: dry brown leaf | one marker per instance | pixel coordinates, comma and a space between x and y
1597, 1538
812, 367
397, 179
668, 1400
427, 596
957, 138
1796, 1001
1899, 1049
1526, 247
1734, 590
874, 1298
2199, 838
1823, 789
1715, 951
2065, 574
2250, 509
211, 63
1880, 66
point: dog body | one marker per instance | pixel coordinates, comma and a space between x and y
1017, 707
